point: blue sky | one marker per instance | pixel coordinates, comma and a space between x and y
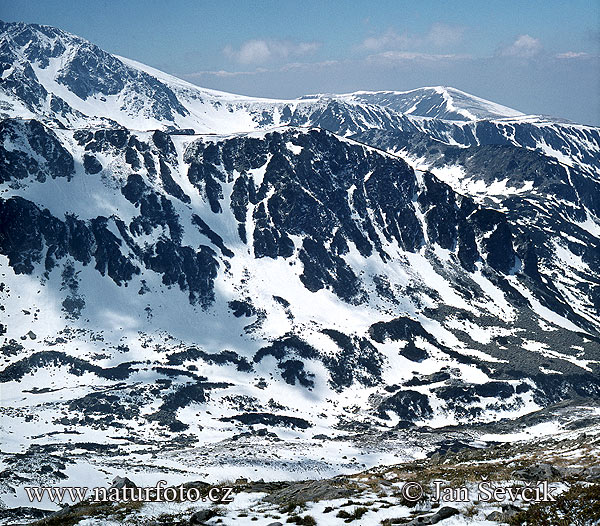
535, 56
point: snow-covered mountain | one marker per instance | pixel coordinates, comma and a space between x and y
438, 102
183, 268
56, 76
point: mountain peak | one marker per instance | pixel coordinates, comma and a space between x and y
438, 102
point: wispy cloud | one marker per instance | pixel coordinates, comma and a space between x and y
524, 46
572, 54
221, 73
290, 66
259, 51
405, 56
439, 35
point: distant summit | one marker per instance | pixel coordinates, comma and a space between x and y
438, 102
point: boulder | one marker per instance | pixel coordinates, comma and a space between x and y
508, 511
538, 472
443, 513
122, 482
200, 517
495, 516
311, 491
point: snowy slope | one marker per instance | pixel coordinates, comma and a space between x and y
170, 289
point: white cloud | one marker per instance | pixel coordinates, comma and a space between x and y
524, 46
439, 35
291, 66
259, 51
404, 56
222, 73
572, 54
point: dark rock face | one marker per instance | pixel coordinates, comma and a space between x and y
109, 259
321, 270
333, 195
75, 75
370, 201
270, 420
552, 388
517, 230
242, 308
403, 329
104, 140
77, 366
570, 140
215, 238
358, 360
16, 241
155, 209
399, 329
408, 405
496, 237
29, 235
91, 164
223, 357
364, 193
495, 390
28, 142
292, 370
455, 221
296, 206
19, 80
25, 231
193, 270
181, 397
